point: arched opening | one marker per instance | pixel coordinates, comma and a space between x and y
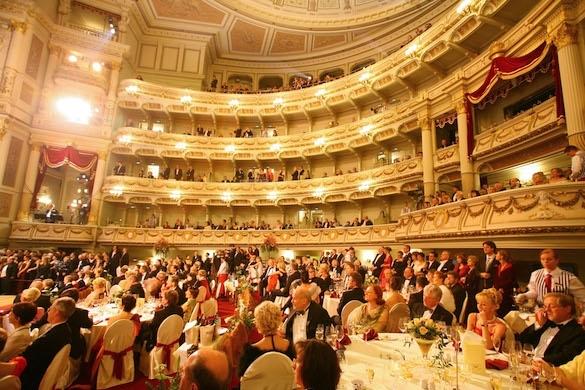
270, 82
360, 65
331, 74
239, 83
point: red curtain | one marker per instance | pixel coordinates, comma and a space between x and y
506, 68
52, 157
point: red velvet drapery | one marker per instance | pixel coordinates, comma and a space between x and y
507, 68
52, 157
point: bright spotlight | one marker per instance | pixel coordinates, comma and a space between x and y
75, 109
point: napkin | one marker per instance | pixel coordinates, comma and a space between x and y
345, 340
496, 364
371, 335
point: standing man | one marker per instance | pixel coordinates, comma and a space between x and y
490, 265
551, 278
378, 262
577, 163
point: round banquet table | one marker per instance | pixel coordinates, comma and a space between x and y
101, 314
397, 365
330, 304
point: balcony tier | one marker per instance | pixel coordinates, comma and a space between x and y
533, 217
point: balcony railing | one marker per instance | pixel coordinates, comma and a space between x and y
366, 184
532, 217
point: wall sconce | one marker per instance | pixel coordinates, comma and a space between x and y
181, 145
234, 103
186, 100
319, 192
230, 149
364, 186
117, 191
132, 89
464, 7
72, 58
411, 51
275, 147
45, 200
96, 67
321, 93
226, 196
125, 139
365, 130
272, 195
320, 141
175, 194
365, 78
278, 102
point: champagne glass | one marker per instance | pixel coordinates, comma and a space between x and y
370, 373
528, 351
497, 342
402, 322
320, 332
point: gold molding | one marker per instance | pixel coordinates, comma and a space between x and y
566, 34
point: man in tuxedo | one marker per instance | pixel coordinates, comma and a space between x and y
297, 173
445, 262
135, 286
206, 369
447, 298
378, 262
119, 169
124, 258
452, 282
306, 316
114, 261
170, 307
7, 275
284, 291
190, 174
43, 350
416, 298
166, 173
406, 255
431, 307
433, 262
178, 173
409, 280
556, 336
354, 291
489, 267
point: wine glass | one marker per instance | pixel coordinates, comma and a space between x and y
528, 351
402, 322
320, 332
370, 373
497, 342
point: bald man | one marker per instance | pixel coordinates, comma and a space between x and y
206, 369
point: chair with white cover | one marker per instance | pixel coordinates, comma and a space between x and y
209, 308
167, 343
116, 365
462, 316
57, 373
398, 311
347, 309
271, 371
10, 382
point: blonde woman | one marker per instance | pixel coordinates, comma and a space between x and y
98, 295
486, 323
268, 320
32, 294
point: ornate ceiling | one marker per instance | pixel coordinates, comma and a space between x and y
294, 29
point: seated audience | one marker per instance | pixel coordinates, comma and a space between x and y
447, 299
268, 319
316, 366
371, 315
486, 323
32, 294
170, 306
570, 376
302, 322
99, 295
556, 336
206, 369
355, 292
394, 296
127, 304
21, 315
431, 307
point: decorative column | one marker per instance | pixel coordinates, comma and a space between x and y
4, 143
110, 106
572, 81
427, 158
96, 193
14, 58
30, 179
49, 83
468, 177
63, 11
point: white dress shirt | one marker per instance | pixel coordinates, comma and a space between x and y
16, 343
546, 338
299, 327
428, 313
447, 300
562, 281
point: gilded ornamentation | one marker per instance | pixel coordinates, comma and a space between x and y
16, 25
566, 34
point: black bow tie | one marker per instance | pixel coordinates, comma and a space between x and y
301, 312
555, 325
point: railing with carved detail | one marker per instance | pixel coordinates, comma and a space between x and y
532, 217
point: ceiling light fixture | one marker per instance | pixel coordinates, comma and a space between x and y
321, 92
186, 100
278, 102
464, 6
230, 148
364, 186
75, 109
132, 89
125, 139
72, 58
364, 77
96, 67
226, 196
275, 147
234, 103
272, 195
411, 50
117, 191
181, 145
365, 130
319, 192
175, 194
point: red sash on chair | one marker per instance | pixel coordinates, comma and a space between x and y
118, 360
167, 352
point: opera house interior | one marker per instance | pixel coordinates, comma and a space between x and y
292, 194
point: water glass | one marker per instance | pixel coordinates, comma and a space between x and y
320, 332
402, 322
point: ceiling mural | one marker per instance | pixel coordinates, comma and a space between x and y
295, 29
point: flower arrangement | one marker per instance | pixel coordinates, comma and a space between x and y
161, 246
370, 280
423, 329
270, 242
242, 314
165, 382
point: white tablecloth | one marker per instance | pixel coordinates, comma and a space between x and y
331, 305
400, 366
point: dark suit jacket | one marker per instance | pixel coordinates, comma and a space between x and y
434, 264
439, 314
568, 342
449, 266
124, 259
159, 317
41, 353
136, 289
350, 295
459, 294
492, 270
414, 300
178, 174
11, 270
317, 315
